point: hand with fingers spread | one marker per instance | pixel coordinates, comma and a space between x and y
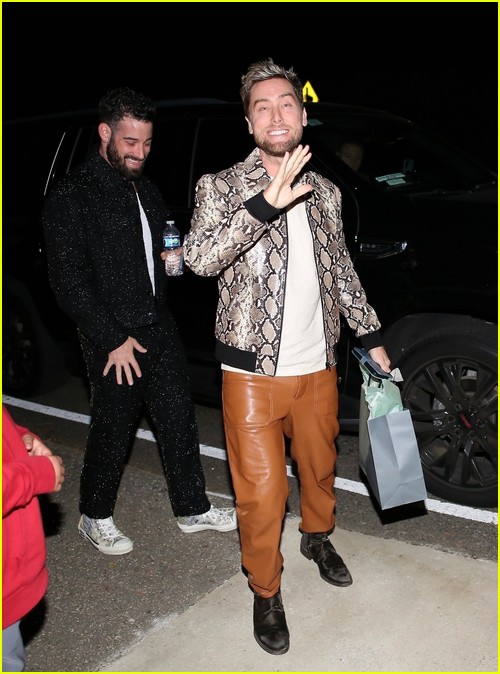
280, 193
123, 358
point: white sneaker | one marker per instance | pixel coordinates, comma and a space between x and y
104, 535
217, 519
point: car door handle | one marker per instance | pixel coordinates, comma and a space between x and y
380, 249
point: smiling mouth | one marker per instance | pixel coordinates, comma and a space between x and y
278, 132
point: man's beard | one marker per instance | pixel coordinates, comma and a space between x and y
279, 149
118, 163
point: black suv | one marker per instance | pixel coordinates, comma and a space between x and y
420, 220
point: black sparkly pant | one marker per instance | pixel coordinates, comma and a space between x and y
116, 411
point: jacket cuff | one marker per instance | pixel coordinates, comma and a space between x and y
371, 340
44, 474
260, 208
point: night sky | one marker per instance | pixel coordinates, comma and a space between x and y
435, 63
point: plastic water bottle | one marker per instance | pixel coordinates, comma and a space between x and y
174, 262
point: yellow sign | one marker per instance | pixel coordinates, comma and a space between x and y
309, 94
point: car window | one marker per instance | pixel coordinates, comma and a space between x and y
77, 150
186, 148
221, 142
27, 151
396, 156
168, 163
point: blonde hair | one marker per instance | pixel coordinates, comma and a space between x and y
266, 70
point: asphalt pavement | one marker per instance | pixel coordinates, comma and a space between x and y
179, 602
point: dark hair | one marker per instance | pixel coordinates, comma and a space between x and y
124, 102
266, 70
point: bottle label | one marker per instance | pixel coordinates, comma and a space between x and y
171, 241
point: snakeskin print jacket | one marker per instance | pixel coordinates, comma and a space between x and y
236, 235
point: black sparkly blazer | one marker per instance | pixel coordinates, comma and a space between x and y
96, 256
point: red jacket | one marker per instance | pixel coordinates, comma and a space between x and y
24, 574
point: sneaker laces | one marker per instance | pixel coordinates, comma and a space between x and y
221, 515
213, 516
108, 529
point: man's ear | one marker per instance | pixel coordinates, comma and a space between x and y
250, 130
304, 117
104, 132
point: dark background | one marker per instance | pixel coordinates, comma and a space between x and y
435, 63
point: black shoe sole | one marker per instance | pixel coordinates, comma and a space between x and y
268, 650
338, 583
345, 583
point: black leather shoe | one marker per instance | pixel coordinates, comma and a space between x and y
331, 566
269, 624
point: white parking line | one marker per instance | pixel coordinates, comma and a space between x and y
442, 507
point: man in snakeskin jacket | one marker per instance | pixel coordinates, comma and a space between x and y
271, 231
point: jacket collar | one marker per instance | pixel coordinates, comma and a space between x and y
105, 171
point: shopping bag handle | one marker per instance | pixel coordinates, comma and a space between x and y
373, 368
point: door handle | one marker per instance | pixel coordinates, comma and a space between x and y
380, 249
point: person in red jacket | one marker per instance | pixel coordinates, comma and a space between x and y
29, 468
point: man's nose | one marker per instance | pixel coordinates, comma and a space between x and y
277, 117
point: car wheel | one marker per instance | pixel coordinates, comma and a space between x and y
450, 387
31, 362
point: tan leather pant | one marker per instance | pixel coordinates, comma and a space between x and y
258, 411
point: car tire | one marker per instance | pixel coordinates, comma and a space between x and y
32, 363
450, 387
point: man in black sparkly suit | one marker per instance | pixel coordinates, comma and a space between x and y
103, 227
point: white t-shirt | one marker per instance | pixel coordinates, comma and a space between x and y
302, 346
148, 244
